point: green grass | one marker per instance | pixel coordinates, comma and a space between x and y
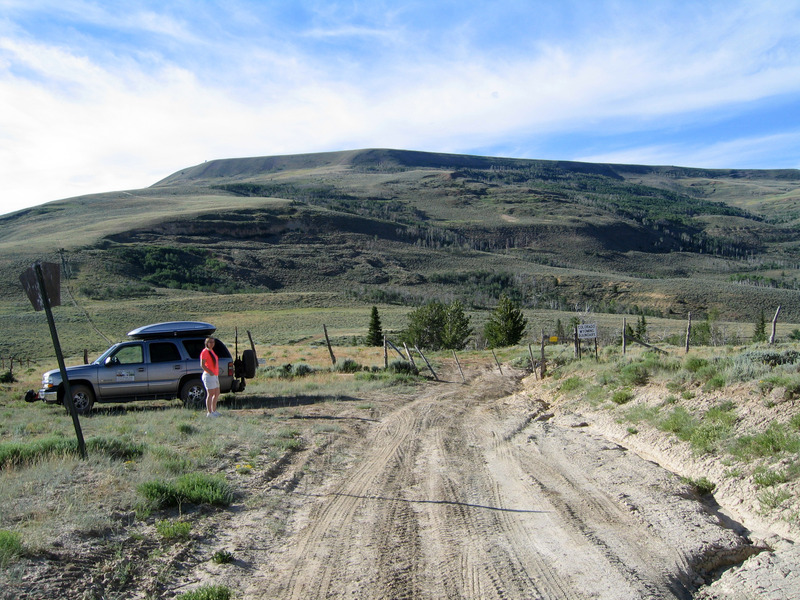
17, 453
222, 557
207, 592
10, 547
173, 530
622, 396
776, 440
194, 488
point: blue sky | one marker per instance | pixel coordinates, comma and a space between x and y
101, 96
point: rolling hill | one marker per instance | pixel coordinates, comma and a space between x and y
393, 226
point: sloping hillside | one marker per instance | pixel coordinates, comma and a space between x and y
391, 225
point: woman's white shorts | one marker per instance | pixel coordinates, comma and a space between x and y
211, 382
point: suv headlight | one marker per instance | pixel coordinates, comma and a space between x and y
48, 381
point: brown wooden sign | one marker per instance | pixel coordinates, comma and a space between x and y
52, 282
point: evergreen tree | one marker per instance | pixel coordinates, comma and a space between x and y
560, 333
506, 324
760, 329
375, 332
641, 329
437, 326
457, 331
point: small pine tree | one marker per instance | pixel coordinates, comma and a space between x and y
506, 324
375, 332
560, 333
760, 329
641, 329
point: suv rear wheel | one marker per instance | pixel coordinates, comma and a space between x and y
193, 394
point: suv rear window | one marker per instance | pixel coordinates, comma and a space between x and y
195, 347
164, 352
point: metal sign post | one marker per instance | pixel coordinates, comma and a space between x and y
41, 301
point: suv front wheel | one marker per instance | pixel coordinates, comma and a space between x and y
82, 398
193, 394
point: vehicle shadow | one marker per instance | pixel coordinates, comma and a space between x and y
251, 402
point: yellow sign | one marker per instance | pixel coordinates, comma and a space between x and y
553, 339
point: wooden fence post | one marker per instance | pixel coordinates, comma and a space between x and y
497, 361
533, 362
544, 362
385, 353
624, 335
408, 354
688, 332
328, 342
426, 362
463, 379
774, 322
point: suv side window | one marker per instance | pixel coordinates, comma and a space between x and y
129, 355
164, 352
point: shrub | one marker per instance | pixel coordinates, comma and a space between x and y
771, 499
7, 377
10, 547
571, 384
693, 363
222, 557
717, 382
301, 369
173, 530
207, 592
634, 374
403, 367
348, 365
703, 486
622, 396
764, 477
680, 422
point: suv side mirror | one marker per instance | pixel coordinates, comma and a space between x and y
111, 361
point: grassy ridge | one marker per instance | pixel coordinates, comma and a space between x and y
399, 228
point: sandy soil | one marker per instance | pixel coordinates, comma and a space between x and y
484, 490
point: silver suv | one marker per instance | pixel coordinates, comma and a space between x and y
160, 361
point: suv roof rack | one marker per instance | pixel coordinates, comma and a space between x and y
172, 329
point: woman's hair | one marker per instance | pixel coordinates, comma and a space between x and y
209, 339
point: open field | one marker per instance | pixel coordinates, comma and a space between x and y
376, 486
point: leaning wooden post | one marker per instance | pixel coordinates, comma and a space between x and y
497, 361
688, 332
328, 342
774, 322
426, 362
533, 362
624, 338
61, 365
408, 354
463, 379
544, 362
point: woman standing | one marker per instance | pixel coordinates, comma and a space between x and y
210, 363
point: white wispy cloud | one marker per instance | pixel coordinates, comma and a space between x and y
81, 117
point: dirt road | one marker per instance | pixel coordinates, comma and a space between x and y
474, 491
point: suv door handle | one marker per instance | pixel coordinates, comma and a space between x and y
177, 367
141, 369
